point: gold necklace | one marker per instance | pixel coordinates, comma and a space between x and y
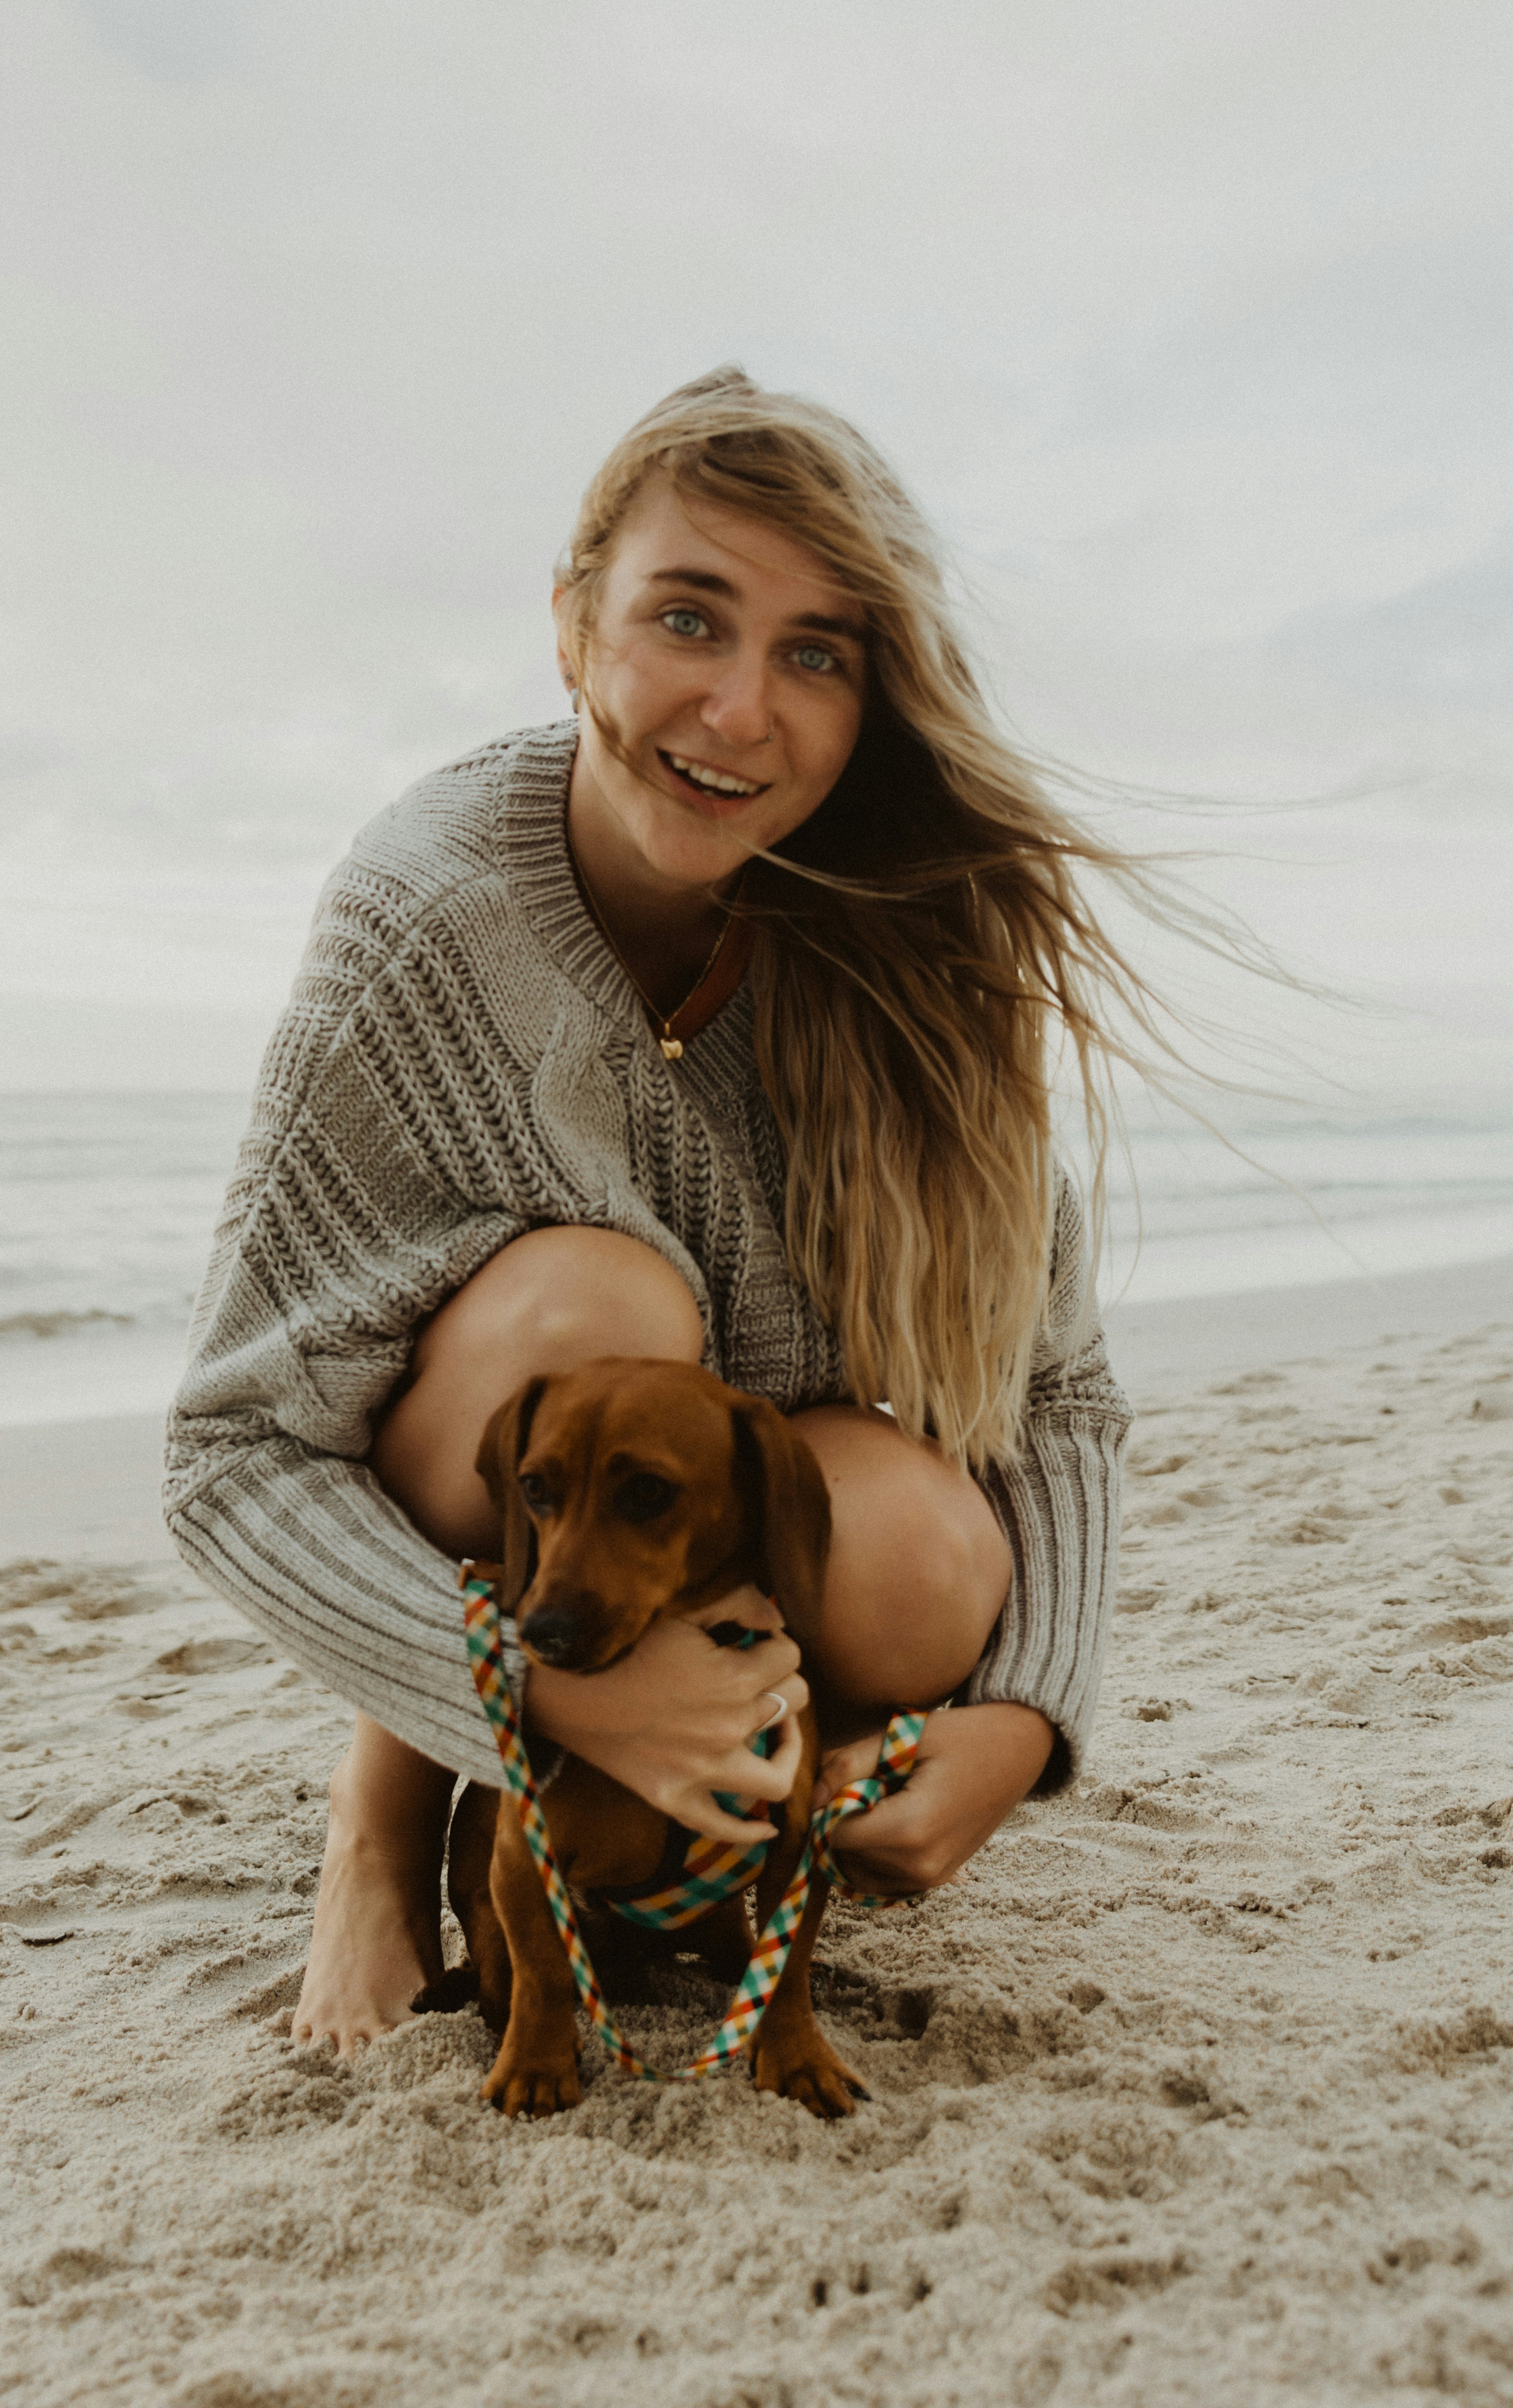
672, 1046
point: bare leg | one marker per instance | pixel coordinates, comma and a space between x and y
377, 1938
555, 1299
917, 1575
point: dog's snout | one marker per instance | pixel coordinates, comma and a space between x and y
560, 1635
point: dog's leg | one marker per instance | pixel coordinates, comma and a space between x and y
791, 2054
470, 1853
623, 1955
723, 1939
536, 2071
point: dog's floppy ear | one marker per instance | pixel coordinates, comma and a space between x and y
503, 1443
791, 1512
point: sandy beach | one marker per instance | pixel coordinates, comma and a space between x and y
1198, 2087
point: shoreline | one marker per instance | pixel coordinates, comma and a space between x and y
87, 1488
1158, 1346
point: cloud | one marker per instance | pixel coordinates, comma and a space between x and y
176, 41
1446, 641
1184, 322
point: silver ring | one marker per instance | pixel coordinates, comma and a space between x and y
780, 1707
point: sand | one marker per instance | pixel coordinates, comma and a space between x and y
1198, 2087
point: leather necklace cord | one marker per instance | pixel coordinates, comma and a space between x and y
672, 1046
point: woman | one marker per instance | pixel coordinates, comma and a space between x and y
712, 1024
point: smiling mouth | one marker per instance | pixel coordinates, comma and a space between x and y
714, 785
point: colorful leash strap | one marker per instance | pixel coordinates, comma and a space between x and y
485, 1655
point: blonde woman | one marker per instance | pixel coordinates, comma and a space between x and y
712, 1023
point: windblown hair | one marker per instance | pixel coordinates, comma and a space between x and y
923, 953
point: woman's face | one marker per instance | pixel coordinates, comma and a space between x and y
732, 668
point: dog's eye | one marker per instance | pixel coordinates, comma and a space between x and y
534, 1492
643, 1496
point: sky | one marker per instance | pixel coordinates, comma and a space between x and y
1188, 324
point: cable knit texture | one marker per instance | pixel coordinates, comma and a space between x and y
463, 1059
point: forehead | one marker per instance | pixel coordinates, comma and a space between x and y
662, 531
640, 1412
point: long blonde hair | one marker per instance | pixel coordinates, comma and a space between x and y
922, 951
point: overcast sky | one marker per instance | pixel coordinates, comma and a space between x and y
1188, 322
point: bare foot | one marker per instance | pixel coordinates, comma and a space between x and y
376, 1938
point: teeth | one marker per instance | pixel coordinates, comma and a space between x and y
712, 778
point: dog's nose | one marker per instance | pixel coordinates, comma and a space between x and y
559, 1635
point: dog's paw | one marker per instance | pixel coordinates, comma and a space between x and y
533, 2082
805, 2067
458, 1988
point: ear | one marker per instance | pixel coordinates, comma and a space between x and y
790, 1512
504, 1442
567, 666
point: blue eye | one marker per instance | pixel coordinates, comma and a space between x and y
684, 622
815, 656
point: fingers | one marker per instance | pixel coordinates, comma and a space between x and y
699, 1812
766, 1666
862, 1850
839, 1766
782, 1766
751, 1704
734, 1671
744, 1604
792, 1695
898, 1848
744, 1775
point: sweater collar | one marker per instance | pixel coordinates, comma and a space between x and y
533, 838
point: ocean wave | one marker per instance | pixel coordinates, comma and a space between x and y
55, 1324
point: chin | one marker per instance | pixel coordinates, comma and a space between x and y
692, 850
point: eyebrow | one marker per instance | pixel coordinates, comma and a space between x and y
706, 580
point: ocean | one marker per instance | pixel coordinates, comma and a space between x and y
107, 1203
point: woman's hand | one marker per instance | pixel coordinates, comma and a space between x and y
673, 1719
973, 1764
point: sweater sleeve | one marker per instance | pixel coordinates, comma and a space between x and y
1057, 1504
349, 1216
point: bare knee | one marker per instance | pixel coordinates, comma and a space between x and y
554, 1300
918, 1571
923, 1563
560, 1297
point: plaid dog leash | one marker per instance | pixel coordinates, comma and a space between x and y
715, 1874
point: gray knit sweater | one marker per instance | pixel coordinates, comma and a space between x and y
463, 1059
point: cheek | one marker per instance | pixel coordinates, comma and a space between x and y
819, 751
643, 682
829, 739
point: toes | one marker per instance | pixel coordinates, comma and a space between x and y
520, 2090
819, 2096
832, 2099
817, 2078
344, 2044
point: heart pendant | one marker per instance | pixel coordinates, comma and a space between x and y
671, 1047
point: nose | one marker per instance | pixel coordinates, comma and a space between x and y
561, 1635
738, 706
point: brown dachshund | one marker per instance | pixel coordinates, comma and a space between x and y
629, 1491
